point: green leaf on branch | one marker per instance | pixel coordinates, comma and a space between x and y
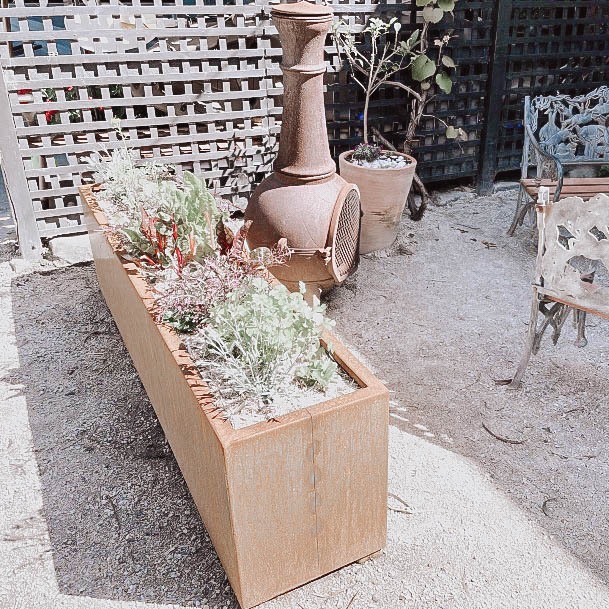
422, 68
425, 86
444, 81
447, 5
413, 39
424, 2
458, 134
451, 132
432, 15
448, 61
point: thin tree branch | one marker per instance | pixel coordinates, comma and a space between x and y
395, 83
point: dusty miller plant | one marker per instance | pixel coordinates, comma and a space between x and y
128, 185
377, 65
262, 337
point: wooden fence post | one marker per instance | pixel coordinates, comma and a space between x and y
15, 181
494, 95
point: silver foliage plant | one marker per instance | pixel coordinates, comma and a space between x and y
128, 185
262, 338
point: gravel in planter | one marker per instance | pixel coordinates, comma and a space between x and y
383, 162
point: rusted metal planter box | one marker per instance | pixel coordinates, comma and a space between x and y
284, 501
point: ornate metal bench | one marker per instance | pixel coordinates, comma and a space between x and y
566, 142
572, 271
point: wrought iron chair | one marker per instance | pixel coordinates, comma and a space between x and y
572, 268
573, 135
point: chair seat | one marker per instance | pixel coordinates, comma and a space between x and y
585, 188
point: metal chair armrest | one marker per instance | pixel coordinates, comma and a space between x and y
549, 164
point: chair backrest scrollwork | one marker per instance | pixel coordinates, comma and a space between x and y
574, 129
573, 261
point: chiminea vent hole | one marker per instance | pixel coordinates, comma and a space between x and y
345, 245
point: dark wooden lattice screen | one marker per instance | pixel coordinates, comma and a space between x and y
439, 158
542, 48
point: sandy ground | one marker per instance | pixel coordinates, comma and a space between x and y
94, 513
442, 325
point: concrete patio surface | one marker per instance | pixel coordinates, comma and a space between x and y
94, 513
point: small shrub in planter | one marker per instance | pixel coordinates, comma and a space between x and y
263, 342
376, 65
257, 341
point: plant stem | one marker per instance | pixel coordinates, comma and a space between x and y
371, 76
418, 108
366, 115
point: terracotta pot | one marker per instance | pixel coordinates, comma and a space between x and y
284, 501
383, 195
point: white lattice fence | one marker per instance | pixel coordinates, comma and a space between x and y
195, 84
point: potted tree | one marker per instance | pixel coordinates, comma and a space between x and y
385, 177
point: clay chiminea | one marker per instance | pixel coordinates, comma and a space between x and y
304, 200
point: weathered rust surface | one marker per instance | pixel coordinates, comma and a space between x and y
350, 456
284, 501
298, 201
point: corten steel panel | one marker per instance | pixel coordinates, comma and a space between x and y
195, 438
350, 453
284, 501
271, 486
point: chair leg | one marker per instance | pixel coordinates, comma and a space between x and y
522, 206
580, 323
531, 338
580, 316
517, 213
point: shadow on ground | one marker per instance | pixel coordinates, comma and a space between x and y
121, 522
438, 326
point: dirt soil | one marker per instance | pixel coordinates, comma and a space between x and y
441, 325
96, 513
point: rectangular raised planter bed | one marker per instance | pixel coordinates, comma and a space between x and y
284, 501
